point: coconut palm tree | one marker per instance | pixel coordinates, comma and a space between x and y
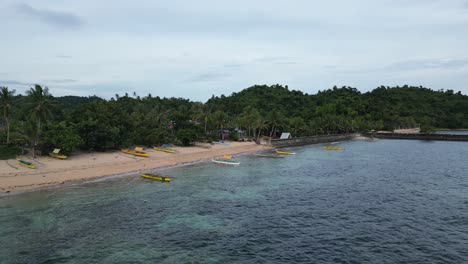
6, 98
261, 124
221, 119
40, 104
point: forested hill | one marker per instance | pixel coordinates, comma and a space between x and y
39, 119
384, 107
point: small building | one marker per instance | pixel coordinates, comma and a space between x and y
285, 135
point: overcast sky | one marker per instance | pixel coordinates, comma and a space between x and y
194, 49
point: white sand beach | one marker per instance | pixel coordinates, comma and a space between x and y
49, 172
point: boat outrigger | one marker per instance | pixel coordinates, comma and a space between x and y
284, 152
55, 154
137, 152
333, 148
155, 177
225, 160
167, 150
27, 164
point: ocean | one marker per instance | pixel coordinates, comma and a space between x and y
388, 201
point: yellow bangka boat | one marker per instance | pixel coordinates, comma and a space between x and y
155, 177
55, 154
167, 150
27, 164
285, 152
135, 152
333, 148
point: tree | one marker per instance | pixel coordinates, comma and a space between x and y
221, 121
40, 104
276, 119
6, 97
62, 136
297, 124
186, 136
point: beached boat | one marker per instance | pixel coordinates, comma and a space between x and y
155, 177
285, 152
135, 152
333, 148
27, 164
274, 156
225, 161
56, 154
167, 150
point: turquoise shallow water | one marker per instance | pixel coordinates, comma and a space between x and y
387, 201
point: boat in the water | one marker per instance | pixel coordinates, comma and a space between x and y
26, 164
56, 154
225, 160
285, 152
155, 177
273, 156
333, 148
135, 152
167, 150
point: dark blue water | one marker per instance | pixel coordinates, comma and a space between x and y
453, 132
376, 202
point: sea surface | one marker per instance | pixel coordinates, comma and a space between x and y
387, 201
453, 132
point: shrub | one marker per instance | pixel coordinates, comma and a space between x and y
186, 136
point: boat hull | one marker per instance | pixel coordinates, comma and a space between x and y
333, 148
225, 162
285, 152
156, 177
173, 151
58, 156
26, 164
135, 153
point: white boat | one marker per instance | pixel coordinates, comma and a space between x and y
225, 162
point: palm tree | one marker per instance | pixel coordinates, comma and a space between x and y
297, 123
276, 119
261, 124
40, 103
221, 120
6, 98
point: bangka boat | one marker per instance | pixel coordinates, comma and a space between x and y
274, 156
333, 148
285, 152
56, 154
155, 177
225, 161
27, 164
167, 150
135, 152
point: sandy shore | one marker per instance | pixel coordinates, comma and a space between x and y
49, 172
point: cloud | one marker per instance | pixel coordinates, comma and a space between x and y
55, 18
286, 63
13, 82
63, 57
440, 63
208, 77
277, 60
59, 81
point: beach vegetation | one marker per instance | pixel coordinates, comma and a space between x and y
6, 102
39, 120
9, 152
186, 136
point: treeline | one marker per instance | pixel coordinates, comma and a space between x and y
40, 121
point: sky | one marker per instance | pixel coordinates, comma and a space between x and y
196, 49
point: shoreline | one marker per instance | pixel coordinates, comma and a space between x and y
94, 166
